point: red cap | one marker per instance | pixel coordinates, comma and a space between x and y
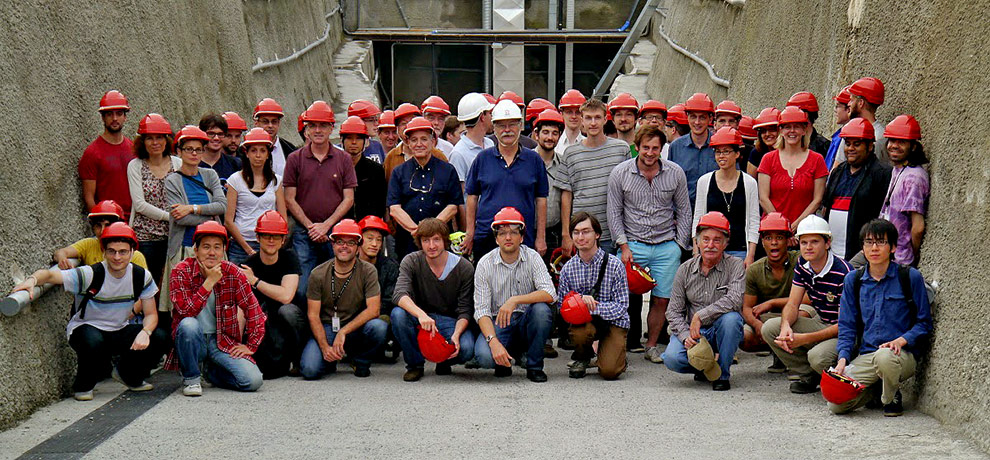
491, 99
210, 228
858, 128
362, 109
728, 107
699, 102
346, 227
189, 132
387, 120
257, 136
775, 222
106, 208
508, 215
804, 101
113, 100
118, 230
372, 222
537, 106
639, 280
623, 101
435, 104
418, 124
677, 114
903, 127
433, 346
406, 109
234, 121
746, 128
843, 97
549, 116
573, 309
154, 123
767, 117
726, 135
714, 219
271, 223
572, 98
868, 88
353, 125
319, 111
655, 106
268, 106
792, 115
839, 389
512, 97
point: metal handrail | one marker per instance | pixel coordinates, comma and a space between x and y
17, 301
627, 45
296, 55
711, 71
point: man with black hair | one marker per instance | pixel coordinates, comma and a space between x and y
214, 154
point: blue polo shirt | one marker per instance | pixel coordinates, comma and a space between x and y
694, 161
498, 185
424, 191
882, 313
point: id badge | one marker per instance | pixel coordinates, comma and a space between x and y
335, 324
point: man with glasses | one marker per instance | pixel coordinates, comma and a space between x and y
214, 154
268, 116
506, 175
343, 303
424, 186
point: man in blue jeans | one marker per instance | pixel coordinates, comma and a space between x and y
512, 290
704, 304
343, 301
435, 292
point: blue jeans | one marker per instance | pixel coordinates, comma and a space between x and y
310, 254
740, 254
532, 327
724, 335
236, 254
193, 347
607, 246
404, 326
360, 345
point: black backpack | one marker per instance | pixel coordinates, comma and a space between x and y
99, 275
904, 277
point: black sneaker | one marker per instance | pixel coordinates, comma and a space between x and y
721, 385
578, 370
536, 375
700, 377
362, 372
503, 371
805, 386
549, 351
777, 367
444, 369
894, 408
413, 375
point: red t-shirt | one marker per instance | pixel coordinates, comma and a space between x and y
790, 196
107, 165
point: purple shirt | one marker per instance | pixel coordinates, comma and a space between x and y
908, 192
319, 184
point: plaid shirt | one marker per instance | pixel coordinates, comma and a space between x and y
232, 292
613, 300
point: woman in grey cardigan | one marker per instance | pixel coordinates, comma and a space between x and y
194, 195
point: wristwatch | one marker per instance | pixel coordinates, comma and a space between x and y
488, 339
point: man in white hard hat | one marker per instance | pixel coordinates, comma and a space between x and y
476, 113
807, 345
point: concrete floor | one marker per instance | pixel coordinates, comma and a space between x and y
650, 413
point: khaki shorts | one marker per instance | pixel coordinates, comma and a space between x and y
747, 329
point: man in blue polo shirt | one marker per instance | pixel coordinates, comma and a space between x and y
807, 345
506, 175
882, 323
692, 153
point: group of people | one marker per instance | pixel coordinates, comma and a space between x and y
749, 234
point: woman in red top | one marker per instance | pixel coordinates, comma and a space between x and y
792, 178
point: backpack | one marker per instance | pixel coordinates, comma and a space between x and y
99, 275
904, 277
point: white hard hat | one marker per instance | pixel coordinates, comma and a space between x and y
813, 225
471, 106
506, 110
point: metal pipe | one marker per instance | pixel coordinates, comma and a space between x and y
552, 52
486, 25
569, 46
402, 12
14, 303
711, 71
296, 55
528, 36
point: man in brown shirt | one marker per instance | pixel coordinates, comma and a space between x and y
343, 300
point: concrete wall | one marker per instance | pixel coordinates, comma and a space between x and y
181, 58
931, 57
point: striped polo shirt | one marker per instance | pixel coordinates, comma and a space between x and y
823, 288
585, 174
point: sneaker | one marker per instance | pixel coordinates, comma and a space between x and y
144, 386
721, 385
700, 377
193, 389
444, 369
578, 370
777, 367
593, 363
653, 355
83, 395
503, 371
549, 351
635, 348
894, 408
536, 375
804, 386
413, 375
472, 364
735, 359
362, 372
793, 377
762, 354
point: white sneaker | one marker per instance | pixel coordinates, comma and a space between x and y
653, 355
144, 386
83, 395
194, 389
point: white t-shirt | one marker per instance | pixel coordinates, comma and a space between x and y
112, 307
250, 206
445, 146
563, 143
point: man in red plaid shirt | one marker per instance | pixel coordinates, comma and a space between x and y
216, 319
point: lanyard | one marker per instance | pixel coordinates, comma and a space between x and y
333, 286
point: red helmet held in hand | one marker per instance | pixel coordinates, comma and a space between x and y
433, 346
639, 279
839, 389
573, 309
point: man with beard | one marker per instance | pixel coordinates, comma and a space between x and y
624, 109
215, 155
235, 132
866, 96
103, 166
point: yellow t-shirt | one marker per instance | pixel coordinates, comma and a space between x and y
91, 253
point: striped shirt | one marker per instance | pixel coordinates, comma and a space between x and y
823, 288
585, 174
613, 297
709, 296
495, 281
649, 211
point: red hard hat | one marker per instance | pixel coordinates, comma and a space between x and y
491, 99
726, 135
550, 115
557, 260
508, 215
639, 279
268, 106
387, 120
234, 121
154, 123
775, 222
113, 100
353, 125
190, 132
903, 127
118, 230
746, 128
346, 227
792, 115
435, 104
843, 97
362, 109
868, 88
804, 101
512, 97
210, 228
677, 114
537, 106
728, 107
418, 124
106, 208
858, 128
655, 106
699, 102
257, 136
714, 219
573, 309
319, 111
374, 223
623, 101
839, 389
271, 223
433, 346
572, 98
406, 109
767, 117
300, 124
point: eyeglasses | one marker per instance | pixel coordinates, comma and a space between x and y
373, 119
724, 153
215, 134
584, 232
428, 189
507, 232
872, 242
191, 150
114, 252
652, 117
341, 242
669, 125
